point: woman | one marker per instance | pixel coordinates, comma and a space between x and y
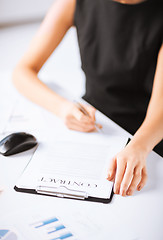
122, 56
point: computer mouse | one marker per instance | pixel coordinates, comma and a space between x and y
16, 143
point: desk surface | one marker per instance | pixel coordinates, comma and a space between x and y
138, 217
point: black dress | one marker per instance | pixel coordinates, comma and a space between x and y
119, 45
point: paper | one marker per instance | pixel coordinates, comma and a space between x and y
46, 224
71, 166
84, 222
22, 117
49, 228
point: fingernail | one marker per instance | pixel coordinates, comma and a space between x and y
123, 193
139, 188
129, 193
116, 191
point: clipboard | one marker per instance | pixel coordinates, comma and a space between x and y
54, 182
74, 197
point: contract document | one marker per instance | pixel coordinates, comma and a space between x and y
71, 169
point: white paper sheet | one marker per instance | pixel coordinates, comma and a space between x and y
72, 166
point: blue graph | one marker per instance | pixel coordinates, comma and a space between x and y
52, 229
7, 235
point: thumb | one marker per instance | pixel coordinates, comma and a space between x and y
112, 169
78, 114
91, 110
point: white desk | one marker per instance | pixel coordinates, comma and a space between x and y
138, 217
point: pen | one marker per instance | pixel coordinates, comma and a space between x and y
84, 111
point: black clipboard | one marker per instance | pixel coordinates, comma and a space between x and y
67, 196
92, 199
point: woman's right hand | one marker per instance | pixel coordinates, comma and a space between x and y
76, 120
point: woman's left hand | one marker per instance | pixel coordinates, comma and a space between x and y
128, 170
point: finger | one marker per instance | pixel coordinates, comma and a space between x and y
74, 124
80, 116
121, 166
99, 125
126, 180
136, 179
1, 188
79, 128
77, 113
112, 169
84, 125
143, 179
91, 111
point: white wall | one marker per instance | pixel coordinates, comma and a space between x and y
22, 10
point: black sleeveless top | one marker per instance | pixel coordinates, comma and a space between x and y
119, 45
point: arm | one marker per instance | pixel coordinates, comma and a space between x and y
128, 168
55, 25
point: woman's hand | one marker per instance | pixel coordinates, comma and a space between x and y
76, 119
128, 170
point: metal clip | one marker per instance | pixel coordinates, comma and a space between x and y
61, 191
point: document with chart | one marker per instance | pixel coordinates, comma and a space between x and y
43, 223
71, 169
35, 226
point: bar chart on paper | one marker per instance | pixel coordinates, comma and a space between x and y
7, 235
52, 229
